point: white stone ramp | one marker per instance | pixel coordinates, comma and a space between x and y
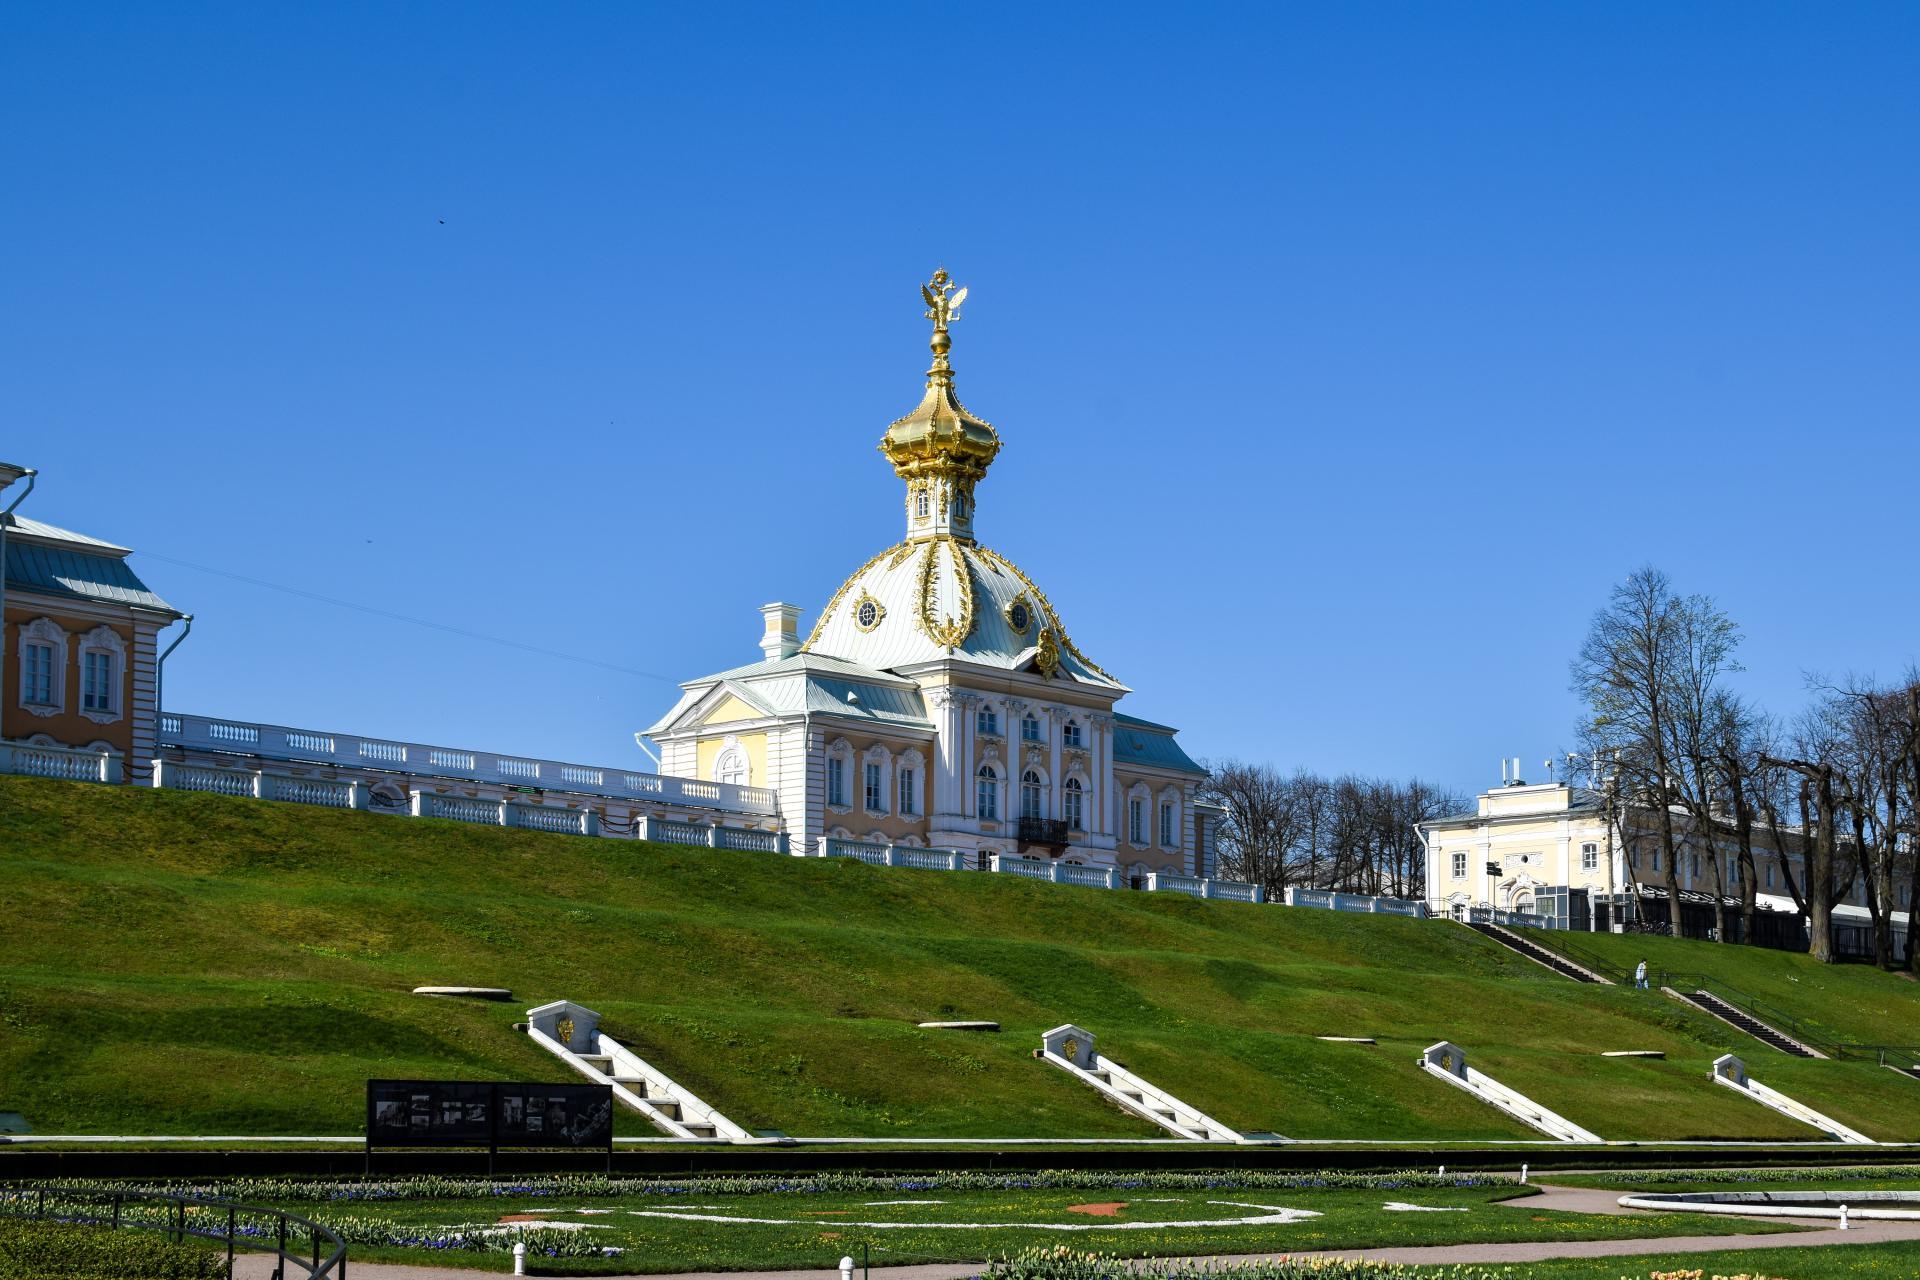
1732, 1073
1070, 1048
1449, 1062
571, 1032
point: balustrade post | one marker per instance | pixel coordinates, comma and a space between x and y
1259, 893
1113, 877
1053, 871
713, 836
590, 822
503, 815
109, 767
891, 857
356, 794
1206, 887
262, 788
781, 843
417, 806
163, 773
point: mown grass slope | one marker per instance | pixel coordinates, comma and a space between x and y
175, 963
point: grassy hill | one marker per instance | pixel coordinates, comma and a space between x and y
175, 963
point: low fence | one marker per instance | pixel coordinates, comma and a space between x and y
72, 764
418, 760
303, 1247
1332, 900
1051, 870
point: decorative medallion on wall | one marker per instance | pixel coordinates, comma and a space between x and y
867, 612
1019, 615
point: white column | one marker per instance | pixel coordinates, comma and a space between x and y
1056, 726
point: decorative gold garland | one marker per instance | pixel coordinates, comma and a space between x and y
951, 632
820, 624
1059, 629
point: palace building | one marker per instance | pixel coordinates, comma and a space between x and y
939, 700
78, 669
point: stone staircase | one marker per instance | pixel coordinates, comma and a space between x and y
1448, 1061
1070, 1048
1543, 956
1738, 1018
572, 1033
1732, 1073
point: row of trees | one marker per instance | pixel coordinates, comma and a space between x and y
1690, 767
1306, 831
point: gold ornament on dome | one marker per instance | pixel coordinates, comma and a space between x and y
1019, 615
1048, 659
868, 612
948, 632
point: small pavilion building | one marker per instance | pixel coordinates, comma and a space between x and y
939, 699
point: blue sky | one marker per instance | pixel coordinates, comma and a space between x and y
1344, 354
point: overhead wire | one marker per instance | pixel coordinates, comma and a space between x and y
392, 616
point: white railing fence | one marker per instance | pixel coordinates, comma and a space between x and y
423, 760
1329, 900
71, 764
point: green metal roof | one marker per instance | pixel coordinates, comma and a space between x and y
71, 571
1143, 742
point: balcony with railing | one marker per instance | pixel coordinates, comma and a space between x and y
1051, 832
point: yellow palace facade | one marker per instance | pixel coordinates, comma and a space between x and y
938, 699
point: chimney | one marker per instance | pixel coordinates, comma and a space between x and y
781, 639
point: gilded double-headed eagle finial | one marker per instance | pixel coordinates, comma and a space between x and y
943, 306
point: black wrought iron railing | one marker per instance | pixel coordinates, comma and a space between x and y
1043, 831
301, 1246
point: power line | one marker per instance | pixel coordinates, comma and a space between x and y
408, 618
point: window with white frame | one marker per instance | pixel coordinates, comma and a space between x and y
920, 506
1029, 729
909, 801
1459, 864
987, 721
36, 673
1136, 821
1071, 734
1166, 824
43, 666
1589, 857
1072, 798
102, 657
1030, 795
987, 793
876, 795
836, 781
731, 767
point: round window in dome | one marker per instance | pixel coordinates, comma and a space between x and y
867, 613
1020, 616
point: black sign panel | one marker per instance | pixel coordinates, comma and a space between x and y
468, 1113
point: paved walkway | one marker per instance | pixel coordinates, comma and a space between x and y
1820, 1231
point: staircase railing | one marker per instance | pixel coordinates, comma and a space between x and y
228, 1222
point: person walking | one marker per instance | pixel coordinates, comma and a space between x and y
1640, 976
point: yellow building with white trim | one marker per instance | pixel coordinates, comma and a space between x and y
938, 699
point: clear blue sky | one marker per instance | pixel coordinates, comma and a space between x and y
1344, 354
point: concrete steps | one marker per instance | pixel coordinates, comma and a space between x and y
1731, 1073
1740, 1019
571, 1032
1448, 1061
1542, 956
1070, 1048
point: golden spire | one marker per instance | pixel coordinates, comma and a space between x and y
940, 449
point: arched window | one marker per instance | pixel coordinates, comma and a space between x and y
1071, 734
987, 794
1073, 798
731, 767
1030, 795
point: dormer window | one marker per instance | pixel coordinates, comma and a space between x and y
1071, 734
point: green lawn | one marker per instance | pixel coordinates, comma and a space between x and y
812, 1231
240, 967
1848, 1262
1851, 1003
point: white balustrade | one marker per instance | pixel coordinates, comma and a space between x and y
1330, 900
1091, 877
1031, 868
427, 764
70, 764
326, 792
